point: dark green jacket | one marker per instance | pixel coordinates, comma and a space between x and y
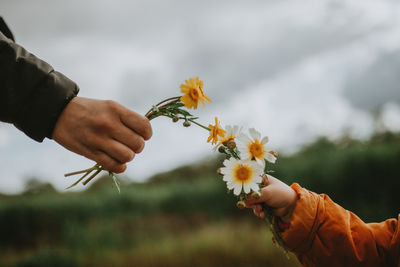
32, 94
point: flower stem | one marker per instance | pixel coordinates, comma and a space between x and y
168, 99
91, 177
79, 172
80, 179
172, 99
202, 126
270, 219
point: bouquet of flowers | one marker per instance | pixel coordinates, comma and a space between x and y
247, 157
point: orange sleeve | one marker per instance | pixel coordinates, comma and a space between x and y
322, 233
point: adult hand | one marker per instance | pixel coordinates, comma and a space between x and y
277, 195
103, 131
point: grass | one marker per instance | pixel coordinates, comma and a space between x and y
218, 243
184, 217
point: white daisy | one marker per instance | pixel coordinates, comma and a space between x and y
253, 147
240, 174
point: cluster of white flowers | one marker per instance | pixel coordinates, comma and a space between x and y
246, 158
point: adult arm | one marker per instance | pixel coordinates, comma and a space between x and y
41, 102
32, 94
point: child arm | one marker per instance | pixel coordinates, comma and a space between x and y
322, 233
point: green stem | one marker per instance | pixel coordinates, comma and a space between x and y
269, 217
79, 172
168, 99
167, 104
174, 100
80, 179
202, 126
234, 154
91, 177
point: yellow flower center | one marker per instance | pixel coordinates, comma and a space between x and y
194, 93
256, 149
242, 173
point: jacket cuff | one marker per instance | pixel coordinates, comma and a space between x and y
303, 225
46, 104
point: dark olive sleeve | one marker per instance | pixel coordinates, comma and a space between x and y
32, 94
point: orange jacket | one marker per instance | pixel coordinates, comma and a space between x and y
322, 233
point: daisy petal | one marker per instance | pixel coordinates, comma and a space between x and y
246, 188
258, 179
242, 138
227, 178
265, 140
254, 187
269, 157
238, 189
230, 186
254, 134
261, 162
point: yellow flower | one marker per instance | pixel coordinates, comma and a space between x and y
193, 93
215, 131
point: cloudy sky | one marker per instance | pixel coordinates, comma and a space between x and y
294, 70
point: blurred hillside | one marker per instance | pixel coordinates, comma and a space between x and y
184, 217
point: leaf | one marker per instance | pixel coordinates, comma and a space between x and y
183, 112
177, 105
115, 180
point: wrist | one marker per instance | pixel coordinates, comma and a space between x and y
287, 217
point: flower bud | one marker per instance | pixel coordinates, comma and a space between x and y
240, 204
256, 195
221, 149
186, 123
231, 144
175, 119
273, 152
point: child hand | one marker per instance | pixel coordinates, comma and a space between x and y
277, 195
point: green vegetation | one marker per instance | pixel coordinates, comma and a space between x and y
183, 217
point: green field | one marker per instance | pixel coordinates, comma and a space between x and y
185, 217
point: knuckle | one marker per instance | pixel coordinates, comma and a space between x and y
110, 104
103, 161
104, 123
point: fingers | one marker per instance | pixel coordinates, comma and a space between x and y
109, 163
101, 158
280, 212
118, 151
136, 122
264, 197
258, 211
266, 179
129, 138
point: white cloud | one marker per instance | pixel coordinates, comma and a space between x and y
283, 67
391, 116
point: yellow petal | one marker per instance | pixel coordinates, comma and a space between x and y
184, 88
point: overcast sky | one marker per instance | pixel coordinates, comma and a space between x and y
294, 70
